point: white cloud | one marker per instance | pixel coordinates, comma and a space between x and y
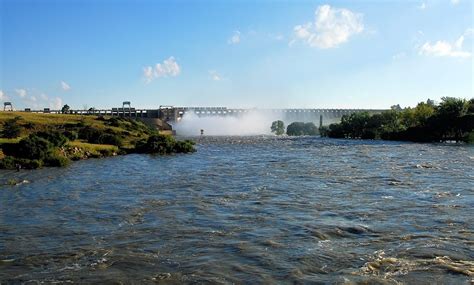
35, 99
65, 86
454, 2
422, 6
56, 103
331, 27
21, 92
445, 48
235, 39
2, 95
148, 73
214, 75
169, 67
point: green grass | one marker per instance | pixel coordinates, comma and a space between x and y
5, 140
122, 132
93, 147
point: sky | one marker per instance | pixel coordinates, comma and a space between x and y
237, 54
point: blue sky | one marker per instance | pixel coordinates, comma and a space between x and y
309, 54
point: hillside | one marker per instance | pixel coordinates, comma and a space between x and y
31, 140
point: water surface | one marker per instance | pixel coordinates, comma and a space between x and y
247, 210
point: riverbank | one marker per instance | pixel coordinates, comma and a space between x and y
29, 140
451, 120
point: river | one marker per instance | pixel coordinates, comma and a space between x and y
246, 210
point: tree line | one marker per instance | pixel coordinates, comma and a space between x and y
450, 120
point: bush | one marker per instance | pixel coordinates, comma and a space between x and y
184, 146
34, 147
301, 129
114, 122
110, 139
10, 162
56, 160
54, 137
98, 136
164, 144
89, 133
11, 128
7, 162
71, 135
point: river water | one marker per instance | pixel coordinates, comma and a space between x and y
246, 210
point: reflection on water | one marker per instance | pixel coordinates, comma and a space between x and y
247, 210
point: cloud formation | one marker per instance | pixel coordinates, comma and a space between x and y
445, 48
454, 2
2, 95
169, 67
214, 75
34, 99
65, 86
331, 27
235, 39
21, 93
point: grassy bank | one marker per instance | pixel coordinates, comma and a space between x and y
29, 140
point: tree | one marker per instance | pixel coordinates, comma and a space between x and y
65, 109
278, 127
396, 107
448, 118
301, 129
34, 147
11, 128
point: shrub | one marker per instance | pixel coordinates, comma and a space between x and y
184, 146
10, 162
29, 126
54, 137
71, 135
89, 133
301, 129
109, 139
56, 160
11, 128
7, 162
29, 163
114, 122
106, 152
164, 144
161, 144
98, 136
34, 147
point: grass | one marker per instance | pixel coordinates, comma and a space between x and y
5, 140
83, 131
93, 147
47, 119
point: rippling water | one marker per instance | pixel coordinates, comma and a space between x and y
247, 210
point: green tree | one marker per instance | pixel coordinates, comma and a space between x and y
11, 128
278, 127
65, 109
302, 129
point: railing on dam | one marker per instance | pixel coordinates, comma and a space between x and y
222, 111
175, 114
